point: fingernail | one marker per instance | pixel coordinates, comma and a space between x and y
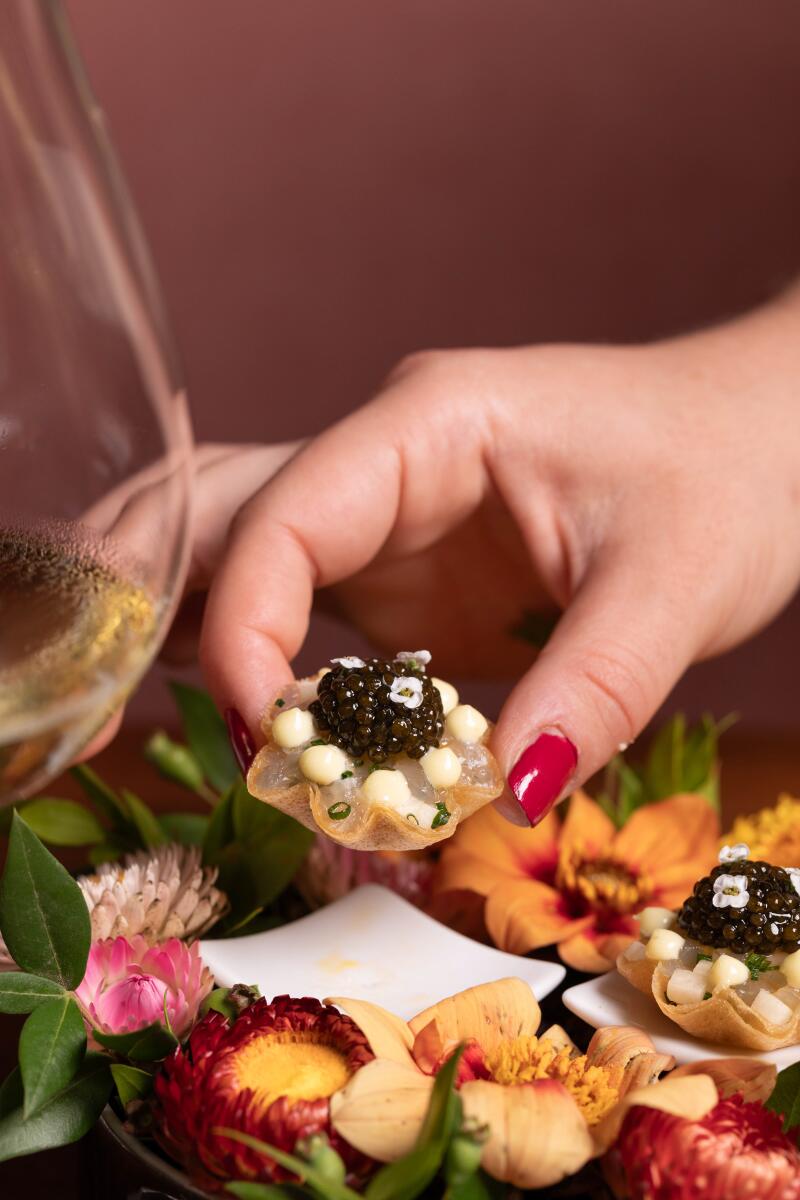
542, 773
241, 740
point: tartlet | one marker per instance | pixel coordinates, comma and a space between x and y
726, 966
376, 754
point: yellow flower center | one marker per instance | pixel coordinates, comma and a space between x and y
602, 883
288, 1064
523, 1059
772, 834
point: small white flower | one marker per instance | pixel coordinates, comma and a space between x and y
794, 875
407, 690
734, 853
350, 664
423, 657
730, 891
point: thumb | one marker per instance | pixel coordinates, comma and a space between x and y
615, 655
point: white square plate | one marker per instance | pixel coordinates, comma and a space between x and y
611, 1000
370, 945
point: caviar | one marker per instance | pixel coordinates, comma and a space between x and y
355, 711
769, 921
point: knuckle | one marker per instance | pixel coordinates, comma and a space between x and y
623, 684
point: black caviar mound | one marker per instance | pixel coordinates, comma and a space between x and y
353, 707
769, 921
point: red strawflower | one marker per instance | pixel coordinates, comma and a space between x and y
738, 1151
270, 1074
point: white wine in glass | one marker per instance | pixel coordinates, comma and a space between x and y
95, 442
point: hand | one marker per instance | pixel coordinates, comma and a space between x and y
650, 493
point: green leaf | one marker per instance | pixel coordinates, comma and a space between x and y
11, 1094
261, 856
43, 915
406, 1178
220, 828
175, 761
317, 1181
785, 1099
477, 1187
218, 1001
108, 852
104, 798
52, 1046
189, 829
131, 1082
147, 825
150, 1044
62, 822
63, 1119
206, 734
21, 993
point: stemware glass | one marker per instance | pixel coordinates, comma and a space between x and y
95, 442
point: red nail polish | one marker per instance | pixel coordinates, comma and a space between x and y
541, 774
241, 740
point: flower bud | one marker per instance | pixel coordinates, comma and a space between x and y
174, 761
318, 1153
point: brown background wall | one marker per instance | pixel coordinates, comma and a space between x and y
328, 184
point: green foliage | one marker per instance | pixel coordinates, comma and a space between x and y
147, 824
64, 1118
43, 915
680, 758
108, 804
131, 1083
51, 1049
21, 993
150, 1044
207, 736
62, 822
258, 851
190, 829
785, 1099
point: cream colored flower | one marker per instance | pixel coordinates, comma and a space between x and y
159, 894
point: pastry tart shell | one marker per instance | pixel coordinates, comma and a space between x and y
723, 1018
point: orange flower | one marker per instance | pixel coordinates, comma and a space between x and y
548, 1108
580, 883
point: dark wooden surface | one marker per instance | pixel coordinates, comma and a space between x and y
755, 770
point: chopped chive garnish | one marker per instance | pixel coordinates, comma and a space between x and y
411, 817
318, 742
442, 815
757, 964
279, 703
339, 810
707, 996
703, 957
346, 775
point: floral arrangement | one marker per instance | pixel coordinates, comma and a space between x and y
264, 1097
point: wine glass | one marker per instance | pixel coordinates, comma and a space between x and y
95, 442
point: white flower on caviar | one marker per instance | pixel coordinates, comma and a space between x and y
794, 875
350, 664
423, 657
730, 891
734, 853
407, 690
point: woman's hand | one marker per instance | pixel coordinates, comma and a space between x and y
652, 494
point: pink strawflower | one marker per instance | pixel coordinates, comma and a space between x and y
129, 985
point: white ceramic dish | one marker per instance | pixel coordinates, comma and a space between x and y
610, 1000
371, 945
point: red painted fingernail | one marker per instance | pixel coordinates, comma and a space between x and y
241, 739
541, 774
